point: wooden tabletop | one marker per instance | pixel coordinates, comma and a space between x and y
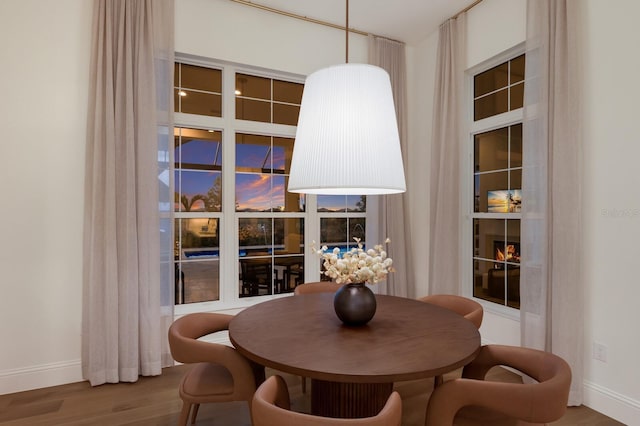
406, 339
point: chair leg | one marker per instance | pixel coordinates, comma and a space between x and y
194, 413
249, 402
437, 381
258, 373
184, 414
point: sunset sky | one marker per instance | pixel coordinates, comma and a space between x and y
255, 190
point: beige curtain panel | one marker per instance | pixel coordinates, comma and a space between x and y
447, 136
551, 292
127, 304
394, 218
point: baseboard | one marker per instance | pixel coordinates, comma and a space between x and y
612, 404
40, 376
59, 373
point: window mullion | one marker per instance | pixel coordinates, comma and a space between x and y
229, 223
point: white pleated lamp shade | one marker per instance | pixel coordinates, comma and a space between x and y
347, 138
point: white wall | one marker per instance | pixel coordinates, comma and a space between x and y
494, 26
229, 31
421, 72
611, 208
611, 211
44, 85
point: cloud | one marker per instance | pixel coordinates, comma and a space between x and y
259, 192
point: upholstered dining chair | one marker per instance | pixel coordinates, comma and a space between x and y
315, 287
468, 308
219, 373
471, 400
271, 407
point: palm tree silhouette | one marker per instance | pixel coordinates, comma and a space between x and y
188, 203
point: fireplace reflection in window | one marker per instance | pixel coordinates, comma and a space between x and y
505, 253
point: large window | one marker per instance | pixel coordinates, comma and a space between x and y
496, 179
271, 246
342, 218
239, 235
198, 90
267, 100
197, 205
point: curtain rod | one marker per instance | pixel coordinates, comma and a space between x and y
466, 9
306, 18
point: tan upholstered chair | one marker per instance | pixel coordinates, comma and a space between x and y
271, 407
471, 400
220, 373
468, 308
315, 287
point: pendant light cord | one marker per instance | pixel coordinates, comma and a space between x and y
346, 30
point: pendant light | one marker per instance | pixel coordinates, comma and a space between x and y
347, 136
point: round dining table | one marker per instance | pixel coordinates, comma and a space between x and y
352, 369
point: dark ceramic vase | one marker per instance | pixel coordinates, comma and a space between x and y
355, 304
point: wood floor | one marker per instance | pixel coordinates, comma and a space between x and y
155, 401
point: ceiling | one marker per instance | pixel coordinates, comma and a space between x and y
404, 20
